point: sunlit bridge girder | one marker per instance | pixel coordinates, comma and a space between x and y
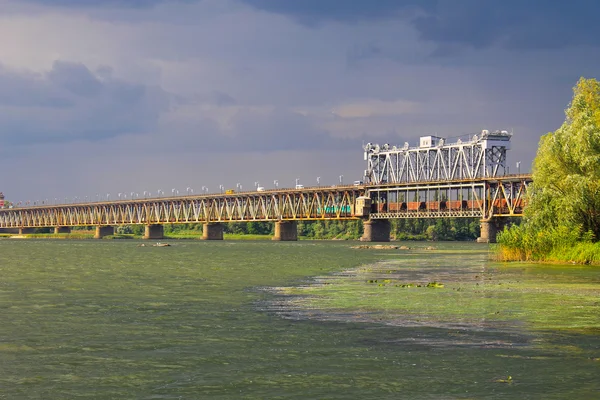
276, 205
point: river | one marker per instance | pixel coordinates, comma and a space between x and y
111, 319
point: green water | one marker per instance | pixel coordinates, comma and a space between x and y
197, 320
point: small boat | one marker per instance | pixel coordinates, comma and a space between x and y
159, 244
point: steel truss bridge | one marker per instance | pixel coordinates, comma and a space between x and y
481, 198
435, 180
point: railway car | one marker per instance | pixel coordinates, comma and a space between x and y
456, 205
472, 204
416, 206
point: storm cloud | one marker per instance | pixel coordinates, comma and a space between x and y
131, 96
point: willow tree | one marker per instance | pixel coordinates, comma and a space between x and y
566, 170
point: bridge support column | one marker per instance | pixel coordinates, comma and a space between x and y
62, 229
286, 231
212, 231
376, 230
25, 231
154, 231
102, 231
489, 229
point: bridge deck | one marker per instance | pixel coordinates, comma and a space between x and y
483, 198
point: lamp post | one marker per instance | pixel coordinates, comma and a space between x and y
119, 194
239, 186
276, 183
519, 167
297, 180
187, 190
221, 187
341, 179
107, 196
318, 181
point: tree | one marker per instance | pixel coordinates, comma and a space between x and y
566, 170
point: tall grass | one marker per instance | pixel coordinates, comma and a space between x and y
523, 243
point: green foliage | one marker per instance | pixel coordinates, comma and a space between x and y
564, 204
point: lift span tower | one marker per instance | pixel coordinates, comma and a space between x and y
483, 156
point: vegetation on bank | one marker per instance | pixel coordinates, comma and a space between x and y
401, 230
562, 219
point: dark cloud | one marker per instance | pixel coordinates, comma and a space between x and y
513, 24
311, 12
75, 78
70, 103
100, 3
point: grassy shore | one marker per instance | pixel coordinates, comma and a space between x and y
579, 253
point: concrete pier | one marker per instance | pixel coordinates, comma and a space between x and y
212, 231
286, 231
489, 230
62, 229
376, 230
102, 231
25, 231
154, 231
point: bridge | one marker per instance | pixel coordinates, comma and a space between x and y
434, 180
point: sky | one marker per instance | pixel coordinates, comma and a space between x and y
101, 97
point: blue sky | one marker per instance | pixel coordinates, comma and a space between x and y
121, 96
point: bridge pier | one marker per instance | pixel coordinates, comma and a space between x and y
489, 230
102, 231
62, 229
286, 231
154, 231
376, 230
212, 231
25, 231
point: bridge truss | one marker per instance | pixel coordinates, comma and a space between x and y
434, 160
481, 198
303, 204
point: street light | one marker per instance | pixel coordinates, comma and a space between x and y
119, 194
221, 187
341, 179
239, 186
297, 180
187, 190
276, 183
318, 181
159, 192
518, 167
107, 196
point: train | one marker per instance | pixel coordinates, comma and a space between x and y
444, 205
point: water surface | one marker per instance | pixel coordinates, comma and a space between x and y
112, 320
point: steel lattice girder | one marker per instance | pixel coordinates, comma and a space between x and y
306, 204
468, 160
484, 198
